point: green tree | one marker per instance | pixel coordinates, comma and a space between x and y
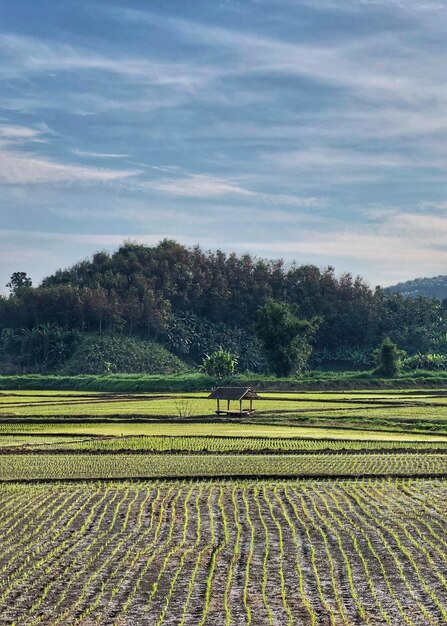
285, 336
18, 281
220, 363
388, 357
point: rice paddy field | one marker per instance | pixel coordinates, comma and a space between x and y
404, 410
369, 551
318, 509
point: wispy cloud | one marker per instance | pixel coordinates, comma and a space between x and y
18, 168
98, 239
388, 83
399, 246
21, 55
204, 186
375, 66
197, 186
418, 248
336, 158
98, 155
11, 134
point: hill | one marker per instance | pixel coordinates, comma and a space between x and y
190, 301
435, 287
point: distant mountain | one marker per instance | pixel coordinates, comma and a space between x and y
435, 287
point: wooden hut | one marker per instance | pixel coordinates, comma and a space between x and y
237, 394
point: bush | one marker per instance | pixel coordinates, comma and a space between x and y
220, 363
105, 354
430, 362
388, 357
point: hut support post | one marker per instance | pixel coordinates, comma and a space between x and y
228, 405
218, 405
251, 405
240, 407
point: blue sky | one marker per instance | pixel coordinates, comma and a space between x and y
309, 129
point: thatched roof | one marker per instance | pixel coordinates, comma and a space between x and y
233, 393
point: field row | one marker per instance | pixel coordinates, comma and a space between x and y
224, 553
98, 466
211, 444
78, 430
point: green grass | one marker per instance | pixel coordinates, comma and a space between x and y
195, 381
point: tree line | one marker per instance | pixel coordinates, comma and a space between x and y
191, 300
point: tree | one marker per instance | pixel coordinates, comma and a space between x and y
220, 363
388, 357
286, 338
18, 281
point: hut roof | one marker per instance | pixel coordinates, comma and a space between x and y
233, 393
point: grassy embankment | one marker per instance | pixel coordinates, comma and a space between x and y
189, 382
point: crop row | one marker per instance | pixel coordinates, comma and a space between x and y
211, 444
308, 552
90, 466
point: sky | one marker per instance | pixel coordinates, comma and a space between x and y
313, 130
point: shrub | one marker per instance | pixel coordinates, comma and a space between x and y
388, 357
220, 363
431, 362
105, 354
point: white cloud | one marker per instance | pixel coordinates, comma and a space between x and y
347, 166
376, 66
335, 158
198, 186
98, 155
389, 84
26, 55
406, 5
400, 246
17, 168
96, 239
11, 134
204, 186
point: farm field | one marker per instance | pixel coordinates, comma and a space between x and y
196, 553
107, 443
321, 509
400, 411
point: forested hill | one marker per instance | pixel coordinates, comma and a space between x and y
435, 287
189, 301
